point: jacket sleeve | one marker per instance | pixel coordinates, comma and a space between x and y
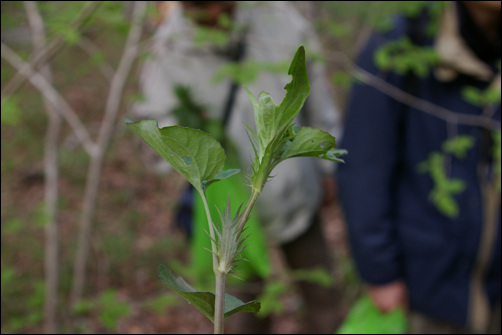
371, 136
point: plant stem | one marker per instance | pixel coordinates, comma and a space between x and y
219, 300
219, 303
211, 232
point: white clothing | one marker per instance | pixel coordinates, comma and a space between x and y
275, 30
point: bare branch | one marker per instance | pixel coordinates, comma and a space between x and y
105, 132
52, 96
39, 58
424, 105
91, 48
51, 170
130, 52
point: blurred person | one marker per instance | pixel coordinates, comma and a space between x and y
183, 68
446, 271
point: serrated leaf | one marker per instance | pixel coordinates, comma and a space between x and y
297, 90
335, 154
197, 155
310, 142
276, 138
266, 119
273, 120
204, 301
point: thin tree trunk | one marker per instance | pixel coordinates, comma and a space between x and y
97, 159
51, 172
51, 230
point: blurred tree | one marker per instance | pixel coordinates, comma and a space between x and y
36, 70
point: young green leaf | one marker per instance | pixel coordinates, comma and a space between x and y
193, 153
275, 136
204, 301
266, 119
224, 174
271, 120
297, 91
309, 142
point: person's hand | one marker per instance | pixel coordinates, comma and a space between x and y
390, 296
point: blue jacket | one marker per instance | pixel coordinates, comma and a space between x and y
395, 230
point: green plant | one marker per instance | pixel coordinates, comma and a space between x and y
200, 158
271, 298
436, 165
26, 313
161, 303
318, 276
403, 56
111, 309
445, 188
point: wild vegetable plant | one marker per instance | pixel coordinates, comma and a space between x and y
200, 158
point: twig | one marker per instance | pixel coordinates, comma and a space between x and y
39, 58
411, 100
51, 178
90, 48
423, 105
105, 133
52, 96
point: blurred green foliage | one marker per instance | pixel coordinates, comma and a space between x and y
271, 298
402, 56
108, 307
248, 71
10, 111
161, 303
317, 276
25, 302
481, 98
436, 165
111, 309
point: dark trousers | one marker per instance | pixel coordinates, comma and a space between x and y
308, 251
420, 324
